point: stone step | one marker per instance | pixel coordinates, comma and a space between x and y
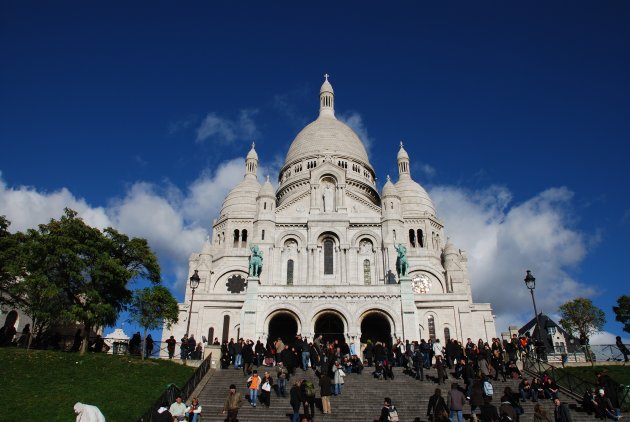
361, 398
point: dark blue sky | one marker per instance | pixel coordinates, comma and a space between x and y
97, 96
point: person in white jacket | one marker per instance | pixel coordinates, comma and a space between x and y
88, 413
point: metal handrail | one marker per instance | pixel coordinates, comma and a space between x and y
173, 391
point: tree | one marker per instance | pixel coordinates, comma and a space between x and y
622, 312
89, 268
9, 261
151, 308
582, 317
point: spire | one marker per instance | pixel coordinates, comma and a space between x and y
326, 99
403, 163
251, 162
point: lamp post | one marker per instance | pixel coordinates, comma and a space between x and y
194, 283
530, 283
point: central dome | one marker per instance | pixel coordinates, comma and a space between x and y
326, 135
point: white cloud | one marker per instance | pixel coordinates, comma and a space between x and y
503, 240
355, 121
225, 130
175, 222
26, 207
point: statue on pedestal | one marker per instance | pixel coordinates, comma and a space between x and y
402, 265
255, 261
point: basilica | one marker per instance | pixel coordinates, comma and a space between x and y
332, 246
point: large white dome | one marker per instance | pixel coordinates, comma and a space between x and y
326, 135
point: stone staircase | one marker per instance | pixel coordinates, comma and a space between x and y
361, 399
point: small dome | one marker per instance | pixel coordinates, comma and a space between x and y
242, 199
402, 154
389, 189
326, 86
450, 249
267, 190
414, 198
252, 154
207, 248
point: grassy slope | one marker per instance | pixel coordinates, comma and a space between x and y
621, 374
47, 384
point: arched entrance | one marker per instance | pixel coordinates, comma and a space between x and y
284, 326
376, 327
331, 327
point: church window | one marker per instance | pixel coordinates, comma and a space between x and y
447, 335
412, 238
262, 237
265, 205
226, 328
328, 256
391, 205
420, 238
236, 237
559, 347
244, 239
367, 278
210, 335
290, 272
431, 325
394, 233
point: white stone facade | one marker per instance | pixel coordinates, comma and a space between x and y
328, 238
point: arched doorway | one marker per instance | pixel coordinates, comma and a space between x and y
376, 327
284, 326
331, 327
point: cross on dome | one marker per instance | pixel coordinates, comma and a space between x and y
326, 75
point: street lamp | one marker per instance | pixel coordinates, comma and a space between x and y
530, 283
194, 283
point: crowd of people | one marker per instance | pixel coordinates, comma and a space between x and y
476, 363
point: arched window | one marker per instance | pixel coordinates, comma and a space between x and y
431, 325
210, 335
265, 205
394, 233
236, 237
420, 238
262, 237
447, 335
367, 277
226, 328
244, 239
412, 238
290, 272
328, 257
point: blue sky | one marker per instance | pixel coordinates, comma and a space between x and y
515, 116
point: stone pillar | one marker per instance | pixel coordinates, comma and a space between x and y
410, 324
248, 314
342, 265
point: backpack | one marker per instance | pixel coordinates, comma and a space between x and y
393, 414
488, 389
309, 389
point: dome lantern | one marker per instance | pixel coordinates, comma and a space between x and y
326, 99
403, 163
251, 162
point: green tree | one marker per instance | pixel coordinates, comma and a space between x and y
622, 312
89, 268
581, 317
153, 307
9, 261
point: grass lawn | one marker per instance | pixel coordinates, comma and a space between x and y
44, 385
621, 374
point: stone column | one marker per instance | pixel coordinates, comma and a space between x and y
408, 305
248, 313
